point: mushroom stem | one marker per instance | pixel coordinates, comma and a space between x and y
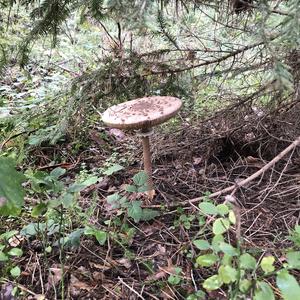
147, 158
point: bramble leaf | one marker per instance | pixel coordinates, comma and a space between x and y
212, 283
140, 178
263, 292
293, 259
227, 274
15, 272
247, 261
208, 208
202, 244
288, 285
222, 209
267, 264
228, 249
220, 226
15, 252
113, 169
207, 260
11, 191
135, 211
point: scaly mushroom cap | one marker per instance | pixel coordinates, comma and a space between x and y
142, 113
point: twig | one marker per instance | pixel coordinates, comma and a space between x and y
13, 137
214, 61
131, 288
242, 183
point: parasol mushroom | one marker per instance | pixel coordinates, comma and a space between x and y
142, 114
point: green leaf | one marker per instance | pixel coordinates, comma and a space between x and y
174, 279
29, 230
15, 272
207, 260
100, 236
247, 261
131, 188
220, 226
72, 239
267, 264
226, 260
217, 239
67, 200
140, 178
15, 252
245, 285
212, 283
202, 244
3, 256
54, 203
288, 285
114, 200
48, 249
228, 249
222, 209
149, 214
231, 217
208, 208
143, 189
293, 259
199, 295
263, 292
78, 187
11, 191
113, 169
227, 274
7, 235
39, 210
135, 211
57, 172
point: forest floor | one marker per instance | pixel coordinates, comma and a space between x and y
188, 162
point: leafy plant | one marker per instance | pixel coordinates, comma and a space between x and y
184, 220
175, 279
7, 252
133, 208
100, 235
295, 235
241, 272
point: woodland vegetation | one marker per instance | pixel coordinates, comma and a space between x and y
224, 223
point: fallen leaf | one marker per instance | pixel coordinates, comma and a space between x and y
100, 267
98, 276
162, 273
16, 240
150, 229
77, 284
55, 275
124, 262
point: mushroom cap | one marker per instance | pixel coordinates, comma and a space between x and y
142, 113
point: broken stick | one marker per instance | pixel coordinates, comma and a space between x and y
242, 183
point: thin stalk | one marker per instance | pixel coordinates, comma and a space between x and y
147, 158
61, 252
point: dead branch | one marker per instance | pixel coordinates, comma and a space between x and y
242, 183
